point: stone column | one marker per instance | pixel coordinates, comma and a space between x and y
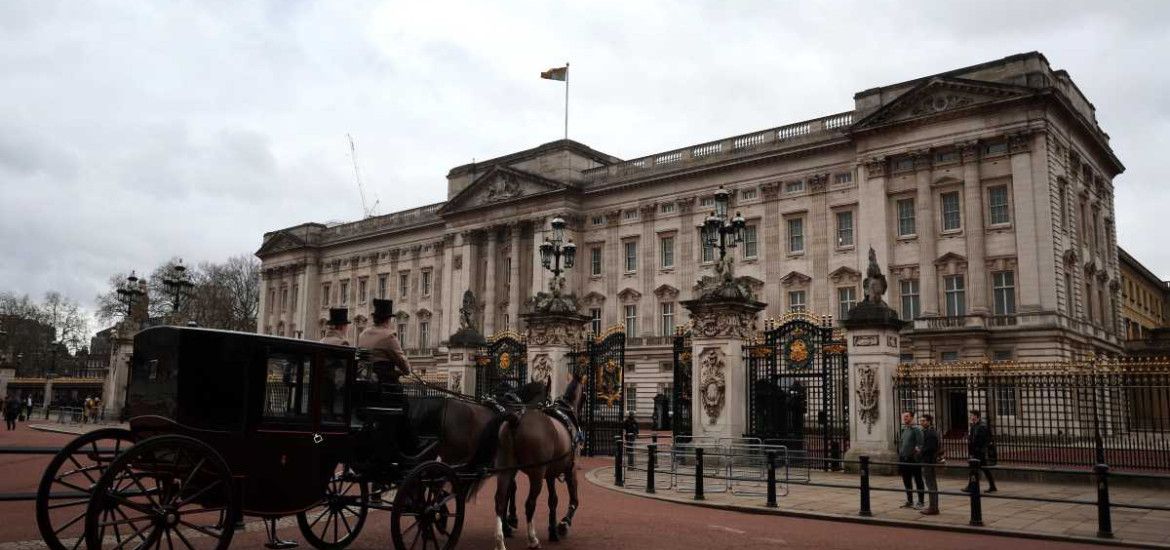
925, 222
514, 278
461, 367
119, 374
1024, 218
973, 229
551, 336
872, 336
719, 388
489, 286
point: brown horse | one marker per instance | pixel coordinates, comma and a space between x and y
540, 443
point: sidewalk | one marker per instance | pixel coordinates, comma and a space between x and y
1015, 517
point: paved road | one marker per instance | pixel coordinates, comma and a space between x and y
606, 520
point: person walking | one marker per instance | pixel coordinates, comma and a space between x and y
11, 411
931, 457
978, 447
909, 453
28, 408
630, 431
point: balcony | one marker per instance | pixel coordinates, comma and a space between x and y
949, 323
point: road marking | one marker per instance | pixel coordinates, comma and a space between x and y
727, 529
779, 542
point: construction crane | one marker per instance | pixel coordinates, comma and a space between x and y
367, 211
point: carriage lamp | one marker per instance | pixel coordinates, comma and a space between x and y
128, 294
178, 285
717, 231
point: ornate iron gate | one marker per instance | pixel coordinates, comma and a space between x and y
798, 386
604, 361
502, 365
680, 399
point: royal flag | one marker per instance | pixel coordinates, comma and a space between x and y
556, 73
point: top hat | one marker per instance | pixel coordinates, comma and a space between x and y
383, 309
338, 316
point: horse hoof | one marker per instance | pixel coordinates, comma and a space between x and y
533, 544
563, 530
513, 521
553, 536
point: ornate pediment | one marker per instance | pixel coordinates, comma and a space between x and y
666, 292
756, 285
795, 278
938, 96
281, 241
845, 274
500, 185
629, 295
595, 299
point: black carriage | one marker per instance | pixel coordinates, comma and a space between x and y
226, 425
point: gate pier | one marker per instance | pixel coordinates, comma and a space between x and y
721, 327
551, 336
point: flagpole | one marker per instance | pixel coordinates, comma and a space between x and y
566, 100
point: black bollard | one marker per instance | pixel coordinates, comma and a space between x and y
1104, 520
619, 471
976, 501
699, 474
771, 479
865, 510
651, 465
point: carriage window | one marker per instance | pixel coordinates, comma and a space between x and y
286, 388
333, 391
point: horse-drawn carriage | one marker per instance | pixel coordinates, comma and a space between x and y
227, 425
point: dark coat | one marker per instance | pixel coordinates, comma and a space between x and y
978, 440
630, 426
931, 445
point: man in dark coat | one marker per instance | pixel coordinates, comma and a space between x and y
931, 453
909, 454
630, 431
978, 444
12, 408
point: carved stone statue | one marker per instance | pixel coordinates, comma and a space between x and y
875, 282
467, 312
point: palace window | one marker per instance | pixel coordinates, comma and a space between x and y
403, 284
382, 282
666, 246
631, 214
796, 300
631, 255
632, 320
325, 295
1001, 355
631, 398
951, 219
904, 165
402, 334
708, 248
424, 335
296, 290
997, 204
1070, 304
1006, 400
747, 194
945, 157
666, 208
910, 300
950, 356
750, 242
707, 201
595, 260
426, 282
1003, 285
846, 299
845, 228
344, 290
284, 298
362, 290
667, 318
796, 235
595, 320
997, 148
794, 186
597, 220
956, 296
843, 177
906, 218
1063, 198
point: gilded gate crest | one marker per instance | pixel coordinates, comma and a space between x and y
609, 382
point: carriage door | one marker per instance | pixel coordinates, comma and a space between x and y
604, 391
283, 448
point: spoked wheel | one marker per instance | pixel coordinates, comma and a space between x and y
169, 491
336, 521
68, 482
428, 509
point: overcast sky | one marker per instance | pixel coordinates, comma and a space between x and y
131, 132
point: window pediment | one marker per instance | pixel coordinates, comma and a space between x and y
795, 278
666, 292
629, 295
595, 299
845, 274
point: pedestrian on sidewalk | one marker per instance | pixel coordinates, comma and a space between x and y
630, 432
11, 411
978, 446
909, 455
28, 408
931, 457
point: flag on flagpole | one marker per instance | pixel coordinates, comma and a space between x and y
556, 73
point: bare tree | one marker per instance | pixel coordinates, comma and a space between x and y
64, 316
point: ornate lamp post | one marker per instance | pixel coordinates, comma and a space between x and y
553, 250
719, 232
178, 285
129, 293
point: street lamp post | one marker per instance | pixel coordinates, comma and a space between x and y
129, 293
554, 250
717, 231
178, 285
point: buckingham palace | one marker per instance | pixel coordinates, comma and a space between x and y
986, 191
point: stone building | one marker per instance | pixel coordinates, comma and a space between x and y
986, 191
1143, 299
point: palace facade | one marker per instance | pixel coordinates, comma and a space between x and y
986, 193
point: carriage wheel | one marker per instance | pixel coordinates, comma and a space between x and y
336, 521
428, 509
68, 482
171, 491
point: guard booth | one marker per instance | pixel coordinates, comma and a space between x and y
798, 386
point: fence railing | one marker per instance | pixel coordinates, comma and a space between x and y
769, 473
